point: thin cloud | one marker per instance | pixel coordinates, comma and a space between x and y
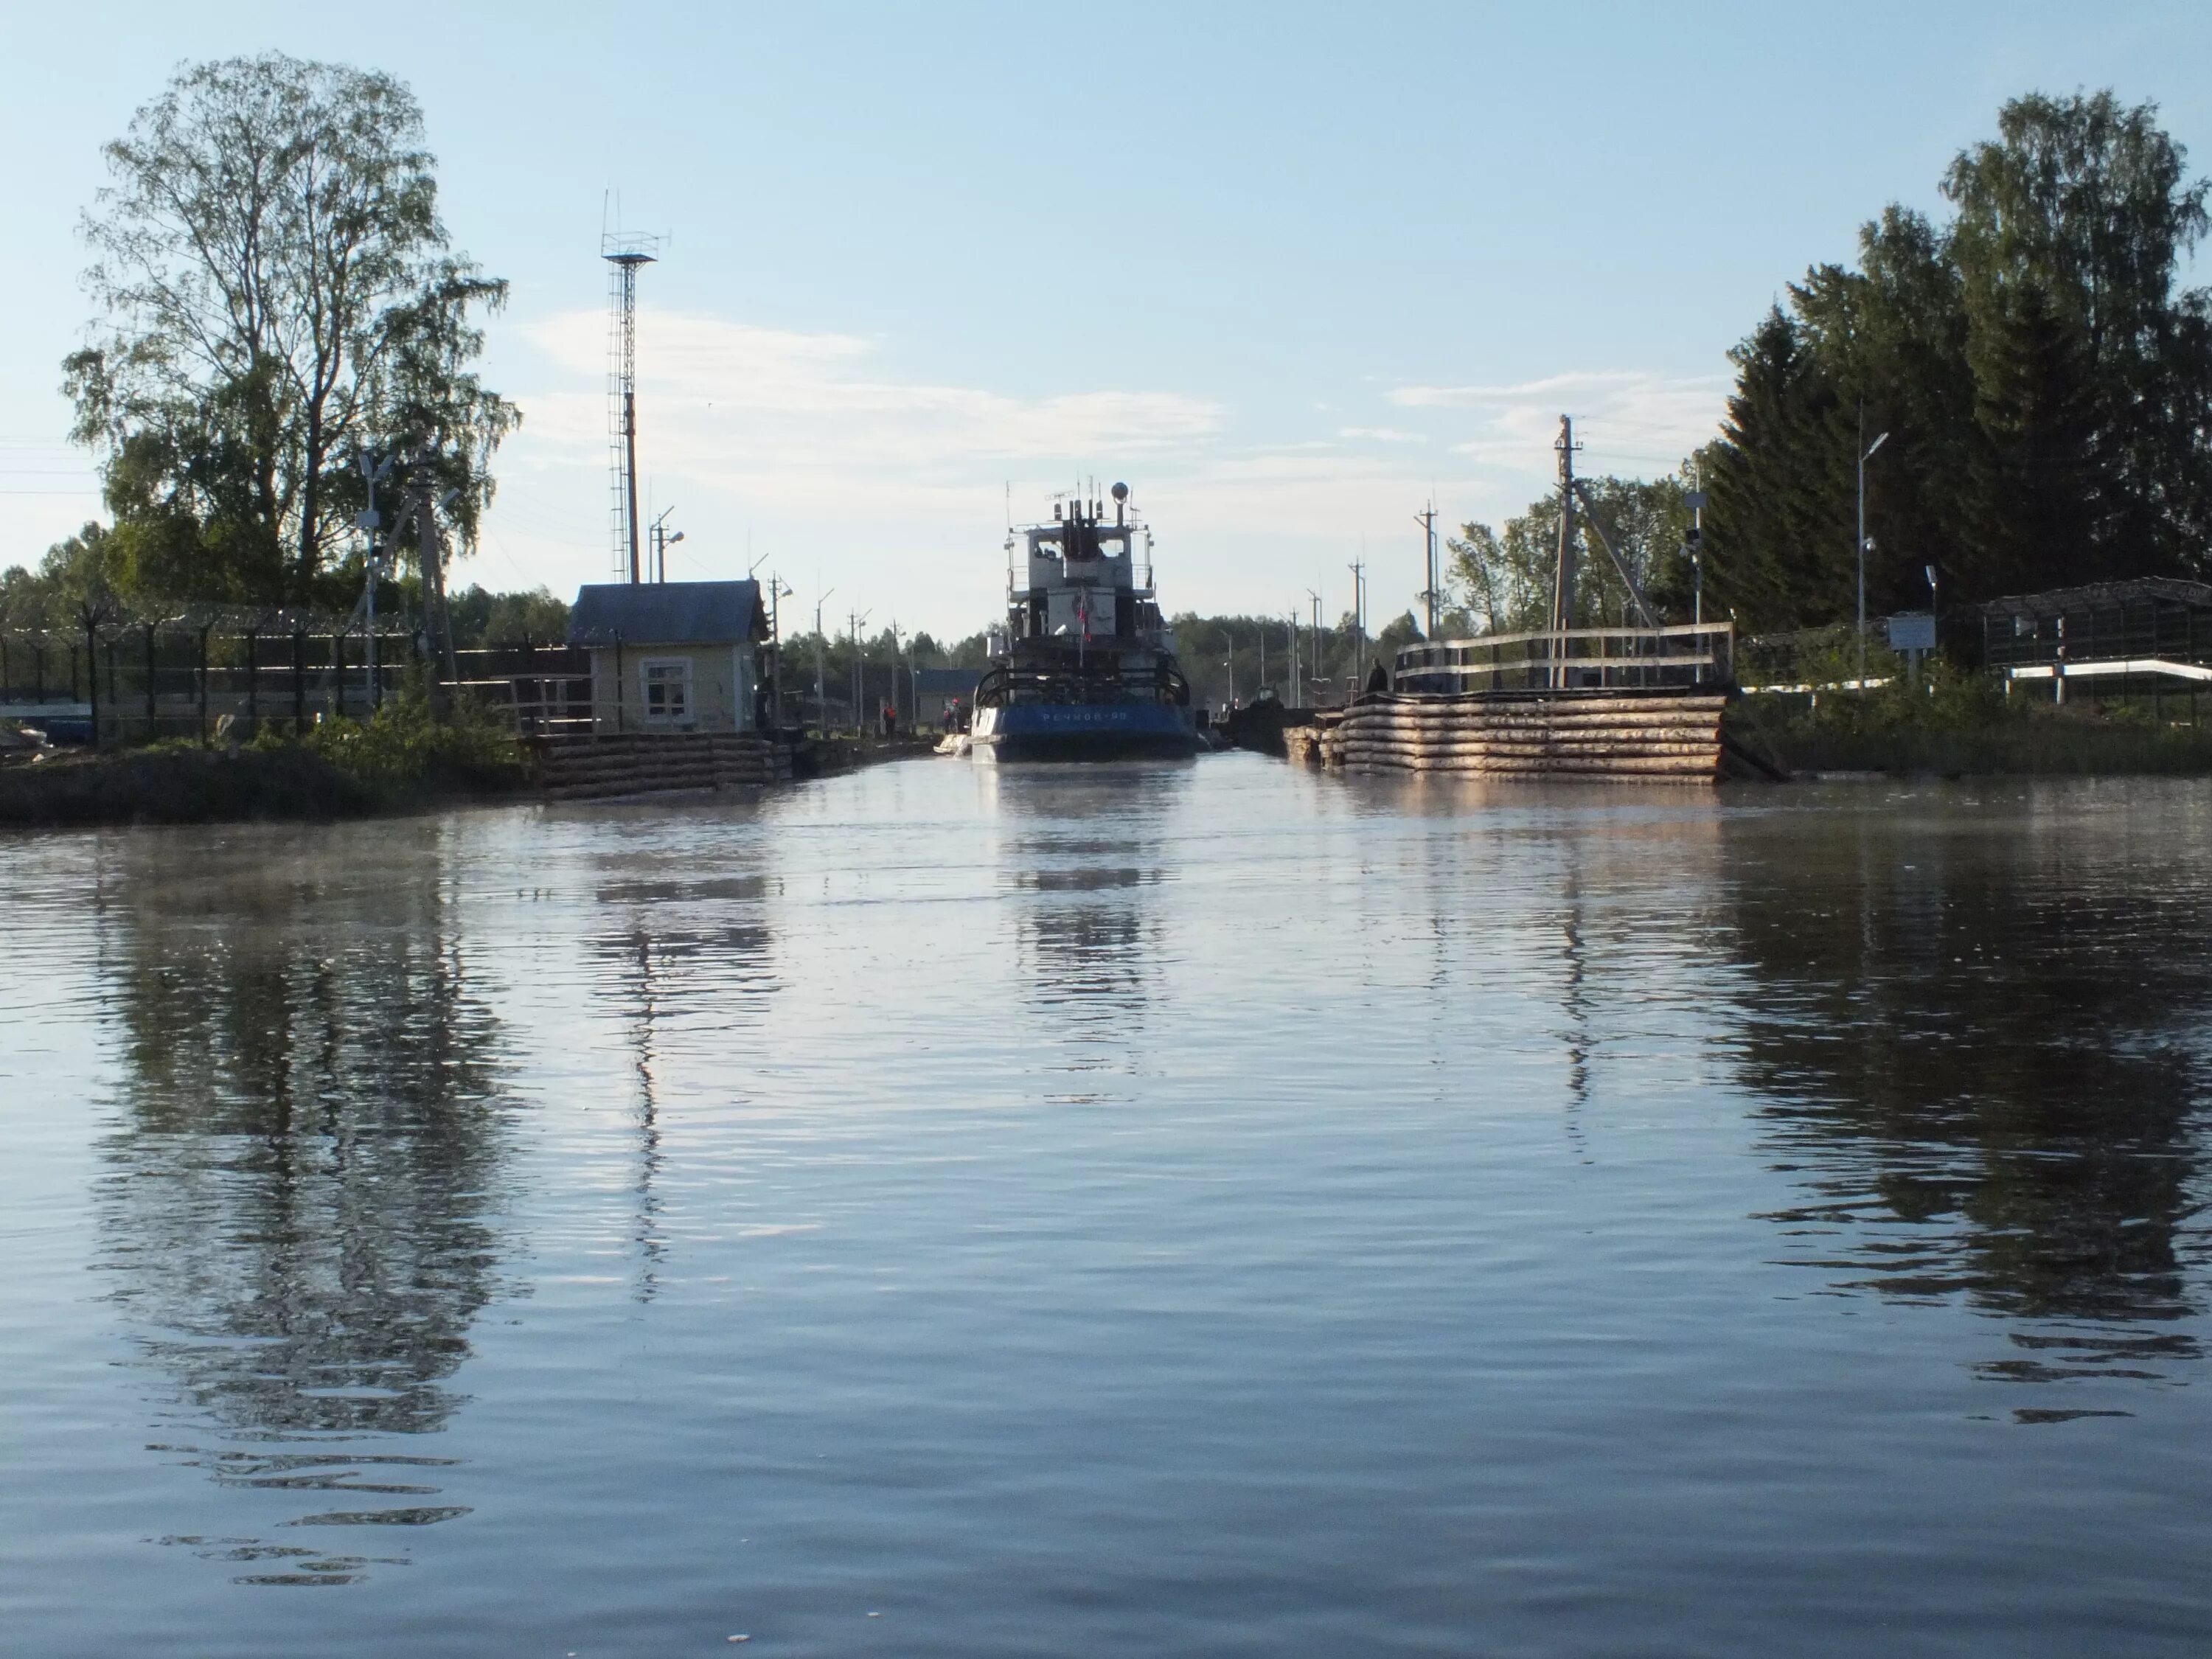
1381, 435
781, 414
1631, 420
893, 488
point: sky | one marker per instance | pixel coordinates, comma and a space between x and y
1291, 272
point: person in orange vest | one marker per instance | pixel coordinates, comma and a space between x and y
890, 719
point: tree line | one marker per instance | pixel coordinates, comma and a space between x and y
2035, 372
278, 298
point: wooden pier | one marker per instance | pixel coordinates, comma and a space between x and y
1591, 736
1603, 705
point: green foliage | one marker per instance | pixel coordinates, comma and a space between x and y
1504, 581
2042, 379
971, 651
1953, 722
1816, 656
1238, 657
77, 576
277, 295
535, 616
403, 748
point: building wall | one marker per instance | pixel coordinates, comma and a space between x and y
722, 683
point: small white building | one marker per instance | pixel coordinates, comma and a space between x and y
673, 656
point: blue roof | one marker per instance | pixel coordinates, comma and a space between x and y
946, 682
667, 613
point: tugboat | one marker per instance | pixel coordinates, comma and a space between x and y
1085, 667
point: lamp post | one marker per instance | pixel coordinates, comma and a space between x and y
660, 541
1866, 455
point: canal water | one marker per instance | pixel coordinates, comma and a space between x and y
1206, 1209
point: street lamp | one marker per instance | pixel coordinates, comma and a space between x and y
661, 539
1865, 455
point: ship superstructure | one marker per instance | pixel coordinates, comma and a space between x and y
1085, 667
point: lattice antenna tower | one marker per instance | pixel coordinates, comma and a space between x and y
624, 253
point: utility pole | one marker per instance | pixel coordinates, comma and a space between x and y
821, 690
1866, 455
1427, 521
777, 587
853, 619
1314, 648
1563, 593
1359, 569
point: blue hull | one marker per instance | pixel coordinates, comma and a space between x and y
1111, 731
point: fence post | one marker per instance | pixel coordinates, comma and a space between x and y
299, 681
337, 676
152, 720
254, 677
203, 684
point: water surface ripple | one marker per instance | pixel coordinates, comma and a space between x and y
1196, 1209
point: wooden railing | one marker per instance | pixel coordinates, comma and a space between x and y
1688, 653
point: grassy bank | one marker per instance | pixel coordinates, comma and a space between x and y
1954, 724
401, 759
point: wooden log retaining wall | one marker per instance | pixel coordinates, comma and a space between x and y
639, 763
1652, 738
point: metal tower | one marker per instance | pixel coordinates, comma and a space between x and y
623, 255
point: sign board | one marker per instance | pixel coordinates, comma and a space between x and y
1913, 631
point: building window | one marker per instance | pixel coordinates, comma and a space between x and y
667, 684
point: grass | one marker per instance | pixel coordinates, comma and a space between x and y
402, 757
403, 749
1953, 723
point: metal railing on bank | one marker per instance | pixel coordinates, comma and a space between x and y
1572, 659
132, 680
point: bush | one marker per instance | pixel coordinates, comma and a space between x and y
1953, 721
403, 748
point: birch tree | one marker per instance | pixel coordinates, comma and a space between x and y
277, 293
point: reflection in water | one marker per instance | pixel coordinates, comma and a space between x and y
300, 1207
676, 941
1983, 1087
1085, 856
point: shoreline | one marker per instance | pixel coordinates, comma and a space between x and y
78, 790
